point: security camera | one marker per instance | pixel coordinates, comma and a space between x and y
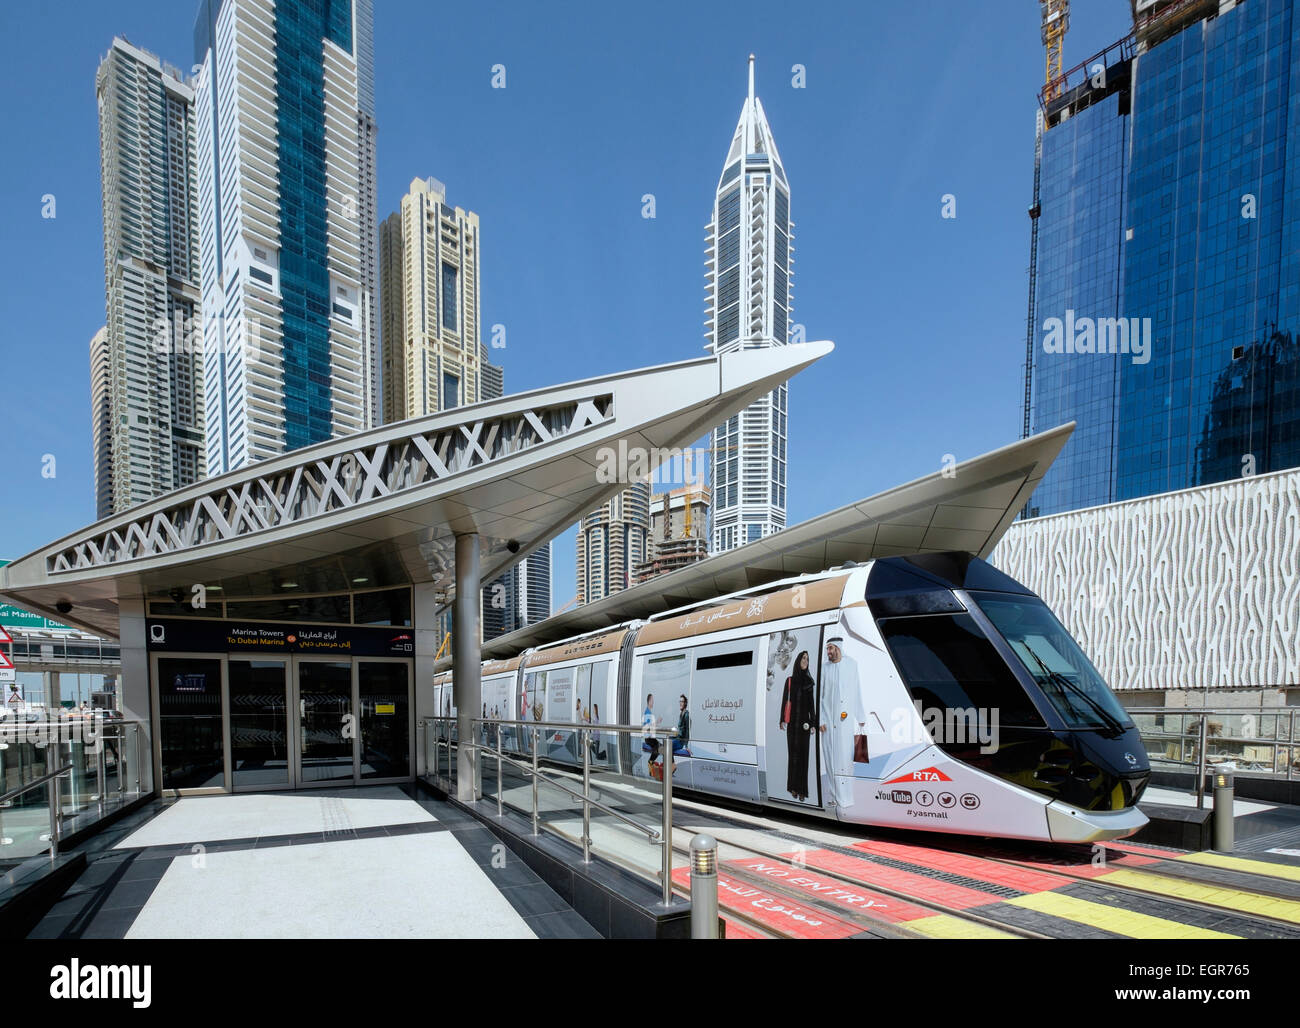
177, 594
513, 546
63, 607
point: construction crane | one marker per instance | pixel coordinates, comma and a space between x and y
1056, 20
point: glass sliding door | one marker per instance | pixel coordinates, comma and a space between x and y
259, 723
326, 724
384, 693
191, 729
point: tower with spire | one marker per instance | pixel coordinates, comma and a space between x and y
747, 260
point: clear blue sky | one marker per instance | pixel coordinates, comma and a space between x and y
606, 102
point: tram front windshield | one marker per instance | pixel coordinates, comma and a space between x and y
1061, 669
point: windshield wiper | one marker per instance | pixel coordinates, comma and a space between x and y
1059, 679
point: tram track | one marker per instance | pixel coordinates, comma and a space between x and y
868, 923
1144, 881
1148, 880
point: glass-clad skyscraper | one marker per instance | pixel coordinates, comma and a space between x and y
1169, 194
284, 101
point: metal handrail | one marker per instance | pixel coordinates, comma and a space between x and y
1194, 722
662, 835
1266, 711
652, 833
50, 735
35, 783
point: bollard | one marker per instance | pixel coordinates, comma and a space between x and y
1223, 816
704, 887
1200, 766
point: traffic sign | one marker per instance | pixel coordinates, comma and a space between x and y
16, 617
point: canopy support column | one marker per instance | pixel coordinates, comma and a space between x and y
467, 646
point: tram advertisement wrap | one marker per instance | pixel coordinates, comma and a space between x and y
794, 674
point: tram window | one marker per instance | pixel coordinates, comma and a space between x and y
1050, 654
720, 660
946, 662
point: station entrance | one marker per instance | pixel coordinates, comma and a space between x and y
239, 723
244, 705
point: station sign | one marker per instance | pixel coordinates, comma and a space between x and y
16, 617
202, 636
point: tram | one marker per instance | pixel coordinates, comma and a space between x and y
930, 692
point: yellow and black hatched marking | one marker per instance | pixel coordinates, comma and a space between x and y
1192, 896
1164, 899
1272, 872
1097, 909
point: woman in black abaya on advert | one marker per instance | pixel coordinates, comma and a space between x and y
799, 722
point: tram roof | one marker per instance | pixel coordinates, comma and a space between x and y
966, 508
384, 506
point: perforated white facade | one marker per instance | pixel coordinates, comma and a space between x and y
1185, 591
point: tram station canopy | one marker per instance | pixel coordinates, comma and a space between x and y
384, 507
967, 507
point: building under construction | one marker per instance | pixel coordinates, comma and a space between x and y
678, 531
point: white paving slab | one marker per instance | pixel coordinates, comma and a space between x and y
254, 815
421, 886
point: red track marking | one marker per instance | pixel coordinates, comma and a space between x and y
736, 930
1026, 880
786, 916
956, 897
830, 890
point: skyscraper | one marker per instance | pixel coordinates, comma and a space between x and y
1169, 243
368, 204
429, 254
612, 543
101, 422
748, 292
147, 376
285, 98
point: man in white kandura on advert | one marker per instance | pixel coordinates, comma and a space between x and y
842, 717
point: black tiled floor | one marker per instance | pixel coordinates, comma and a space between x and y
531, 900
51, 928
111, 924
132, 895
561, 926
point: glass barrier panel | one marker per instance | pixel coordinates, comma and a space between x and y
24, 827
